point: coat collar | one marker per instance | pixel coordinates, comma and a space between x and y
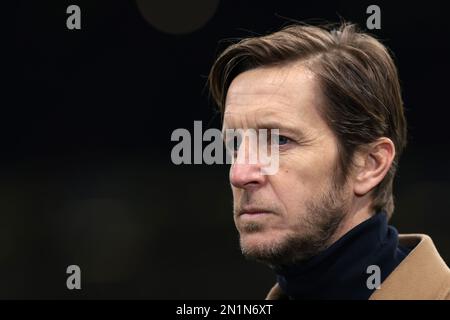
421, 275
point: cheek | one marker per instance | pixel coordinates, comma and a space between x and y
236, 192
290, 190
302, 176
302, 170
310, 163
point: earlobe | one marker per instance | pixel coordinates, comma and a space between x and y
375, 163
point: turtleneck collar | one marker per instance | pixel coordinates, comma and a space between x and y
340, 271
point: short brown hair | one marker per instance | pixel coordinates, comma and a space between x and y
356, 74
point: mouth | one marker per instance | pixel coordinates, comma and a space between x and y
253, 212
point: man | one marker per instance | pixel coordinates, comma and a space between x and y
321, 221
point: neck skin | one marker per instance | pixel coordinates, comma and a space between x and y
360, 211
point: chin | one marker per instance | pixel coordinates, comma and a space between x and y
260, 244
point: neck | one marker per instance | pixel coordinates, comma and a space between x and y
340, 271
357, 215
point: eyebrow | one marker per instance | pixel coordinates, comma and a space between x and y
276, 124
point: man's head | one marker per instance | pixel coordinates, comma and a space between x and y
335, 98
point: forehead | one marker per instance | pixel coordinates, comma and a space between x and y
288, 93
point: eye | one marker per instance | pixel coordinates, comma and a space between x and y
282, 140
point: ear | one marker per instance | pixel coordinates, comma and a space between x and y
372, 165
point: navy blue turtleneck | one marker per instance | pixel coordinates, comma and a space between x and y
340, 271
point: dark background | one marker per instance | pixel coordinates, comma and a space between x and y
86, 175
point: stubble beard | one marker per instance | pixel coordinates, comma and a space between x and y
324, 214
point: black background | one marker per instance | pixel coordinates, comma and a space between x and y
86, 174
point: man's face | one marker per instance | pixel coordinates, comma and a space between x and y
291, 215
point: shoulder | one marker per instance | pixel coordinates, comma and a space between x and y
422, 275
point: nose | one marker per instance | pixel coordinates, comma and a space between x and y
245, 175
246, 171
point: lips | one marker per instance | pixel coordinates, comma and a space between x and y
253, 211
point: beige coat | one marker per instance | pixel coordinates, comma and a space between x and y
422, 275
